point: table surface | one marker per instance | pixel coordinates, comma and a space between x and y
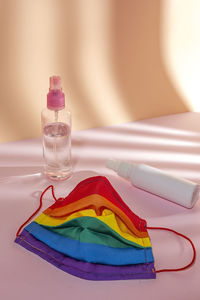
171, 143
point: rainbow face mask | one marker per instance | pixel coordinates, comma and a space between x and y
92, 234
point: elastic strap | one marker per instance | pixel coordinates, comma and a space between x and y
38, 209
185, 237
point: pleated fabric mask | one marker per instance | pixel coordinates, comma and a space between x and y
92, 234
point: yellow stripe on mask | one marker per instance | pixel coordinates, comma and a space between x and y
108, 217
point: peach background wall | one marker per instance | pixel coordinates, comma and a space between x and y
113, 56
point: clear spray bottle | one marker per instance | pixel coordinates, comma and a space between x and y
56, 128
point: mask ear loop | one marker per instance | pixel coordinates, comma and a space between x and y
38, 209
193, 247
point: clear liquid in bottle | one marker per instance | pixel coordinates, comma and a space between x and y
57, 150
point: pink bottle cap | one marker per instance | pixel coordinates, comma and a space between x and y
55, 97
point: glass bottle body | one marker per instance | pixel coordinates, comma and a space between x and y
56, 129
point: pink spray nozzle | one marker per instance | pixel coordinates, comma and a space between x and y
55, 97
55, 83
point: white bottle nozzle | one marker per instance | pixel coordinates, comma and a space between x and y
113, 164
122, 168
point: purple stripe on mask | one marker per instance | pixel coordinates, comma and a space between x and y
82, 269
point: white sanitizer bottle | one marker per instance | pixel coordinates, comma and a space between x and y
155, 181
